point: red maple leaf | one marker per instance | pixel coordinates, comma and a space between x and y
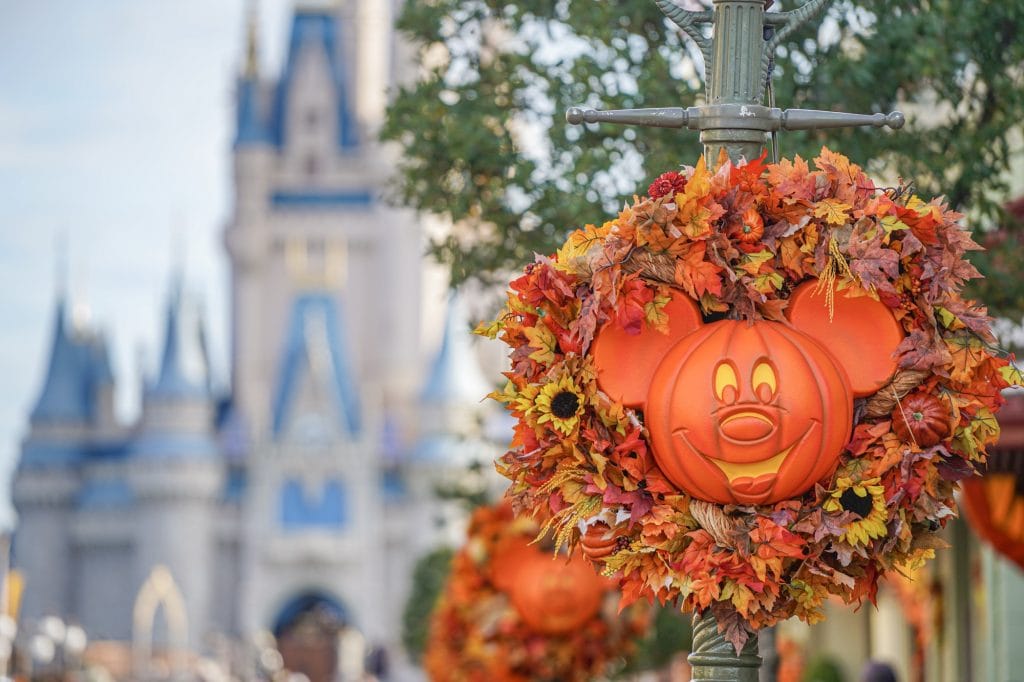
630, 312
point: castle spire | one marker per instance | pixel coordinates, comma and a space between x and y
251, 124
60, 248
78, 369
184, 366
252, 65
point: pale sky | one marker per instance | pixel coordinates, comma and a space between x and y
115, 132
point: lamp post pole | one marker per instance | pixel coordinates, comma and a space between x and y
737, 71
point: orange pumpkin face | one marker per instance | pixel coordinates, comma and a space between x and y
748, 413
551, 595
751, 412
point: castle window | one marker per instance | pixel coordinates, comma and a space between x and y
326, 506
315, 254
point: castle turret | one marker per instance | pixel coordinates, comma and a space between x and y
72, 417
174, 466
79, 382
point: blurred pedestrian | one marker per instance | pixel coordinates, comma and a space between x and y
876, 671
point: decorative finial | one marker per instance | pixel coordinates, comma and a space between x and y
178, 251
252, 61
60, 244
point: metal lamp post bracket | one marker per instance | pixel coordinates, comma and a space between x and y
733, 117
737, 63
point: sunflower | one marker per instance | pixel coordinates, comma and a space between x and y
521, 401
560, 403
865, 499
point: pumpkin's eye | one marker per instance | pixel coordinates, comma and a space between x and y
764, 381
727, 386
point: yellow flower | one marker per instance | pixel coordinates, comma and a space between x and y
521, 401
559, 403
866, 499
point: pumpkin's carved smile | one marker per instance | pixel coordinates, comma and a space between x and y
751, 481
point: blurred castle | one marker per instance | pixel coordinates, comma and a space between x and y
303, 491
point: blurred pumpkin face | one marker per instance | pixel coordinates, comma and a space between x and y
552, 596
748, 413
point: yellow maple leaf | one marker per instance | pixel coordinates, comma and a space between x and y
693, 215
968, 353
654, 313
832, 210
543, 340
923, 208
739, 595
697, 185
489, 329
769, 282
573, 254
752, 262
1012, 375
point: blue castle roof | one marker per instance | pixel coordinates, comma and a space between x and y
455, 376
79, 365
314, 342
184, 365
262, 113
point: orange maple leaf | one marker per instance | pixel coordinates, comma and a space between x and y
696, 275
791, 179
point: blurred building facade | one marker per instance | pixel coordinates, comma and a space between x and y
307, 489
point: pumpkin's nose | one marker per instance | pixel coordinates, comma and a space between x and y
746, 426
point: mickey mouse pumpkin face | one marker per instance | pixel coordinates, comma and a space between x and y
751, 412
748, 412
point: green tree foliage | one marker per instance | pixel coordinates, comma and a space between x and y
428, 581
670, 634
486, 145
824, 669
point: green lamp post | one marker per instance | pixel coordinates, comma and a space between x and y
738, 62
738, 66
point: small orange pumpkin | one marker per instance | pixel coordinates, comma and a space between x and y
598, 542
750, 228
922, 418
552, 596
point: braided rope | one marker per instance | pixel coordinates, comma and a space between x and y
660, 267
883, 402
711, 518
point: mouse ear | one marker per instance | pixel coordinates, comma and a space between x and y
626, 362
862, 333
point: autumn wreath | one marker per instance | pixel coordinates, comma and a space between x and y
488, 626
821, 273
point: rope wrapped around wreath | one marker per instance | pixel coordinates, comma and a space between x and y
659, 267
711, 518
883, 402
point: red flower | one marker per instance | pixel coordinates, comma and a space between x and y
667, 183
